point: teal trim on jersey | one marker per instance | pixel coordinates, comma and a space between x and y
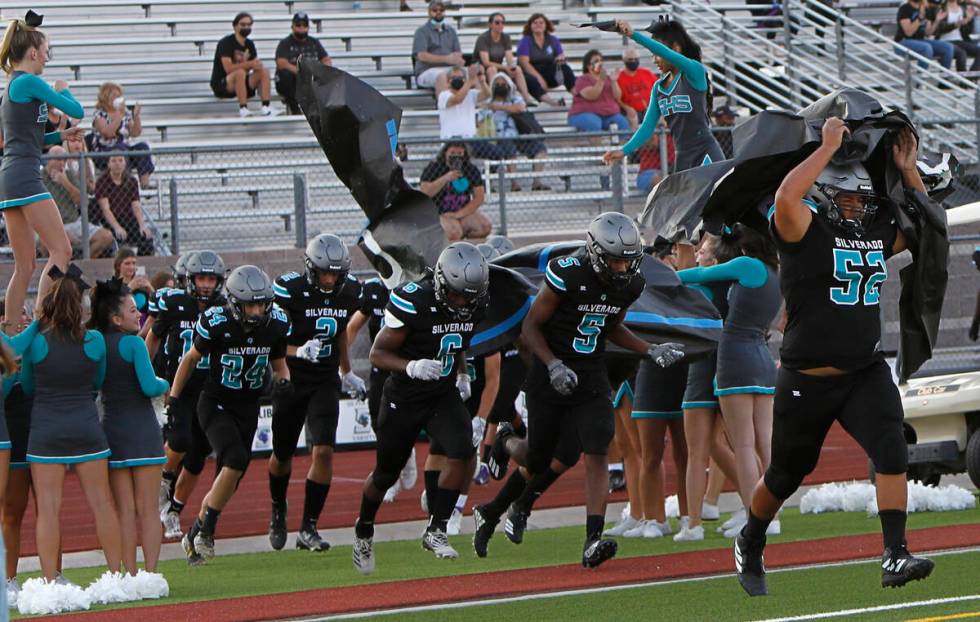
5, 445
401, 303
136, 462
24, 200
749, 389
203, 332
746, 271
554, 279
624, 390
656, 414
26, 87
280, 291
690, 405
69, 459
807, 202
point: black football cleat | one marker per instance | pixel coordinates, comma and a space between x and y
277, 528
749, 566
308, 539
898, 567
499, 456
485, 523
598, 551
515, 525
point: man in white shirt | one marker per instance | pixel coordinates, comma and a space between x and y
457, 108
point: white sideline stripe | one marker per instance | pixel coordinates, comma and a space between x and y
613, 588
863, 610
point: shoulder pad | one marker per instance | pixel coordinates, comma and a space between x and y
560, 270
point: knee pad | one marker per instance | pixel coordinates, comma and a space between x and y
891, 454
235, 458
193, 462
781, 482
179, 440
383, 481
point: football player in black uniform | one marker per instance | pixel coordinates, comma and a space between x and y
833, 242
428, 325
374, 299
243, 339
319, 304
178, 311
569, 399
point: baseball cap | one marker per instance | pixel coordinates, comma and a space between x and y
301, 18
724, 110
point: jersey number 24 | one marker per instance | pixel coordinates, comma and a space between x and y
847, 264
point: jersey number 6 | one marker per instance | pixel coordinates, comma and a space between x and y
451, 343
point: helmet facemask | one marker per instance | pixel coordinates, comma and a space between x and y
599, 258
852, 218
476, 299
250, 322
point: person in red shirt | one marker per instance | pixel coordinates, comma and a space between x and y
635, 82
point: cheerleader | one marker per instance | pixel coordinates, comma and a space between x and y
130, 422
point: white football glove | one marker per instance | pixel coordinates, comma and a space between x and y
309, 351
479, 427
463, 384
353, 385
424, 369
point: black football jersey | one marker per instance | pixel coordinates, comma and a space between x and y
374, 299
831, 281
315, 315
576, 332
177, 316
239, 358
431, 335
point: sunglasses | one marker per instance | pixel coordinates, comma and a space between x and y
497, 22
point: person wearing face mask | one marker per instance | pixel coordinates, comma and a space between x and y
435, 49
635, 82
457, 108
504, 103
458, 190
238, 72
299, 44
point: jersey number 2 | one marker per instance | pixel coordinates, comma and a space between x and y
328, 326
846, 263
590, 327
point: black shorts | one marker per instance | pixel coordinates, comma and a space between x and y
376, 384
316, 405
660, 391
17, 410
563, 427
867, 404
230, 428
443, 417
198, 450
221, 89
513, 373
178, 430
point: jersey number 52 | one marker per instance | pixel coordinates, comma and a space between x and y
847, 264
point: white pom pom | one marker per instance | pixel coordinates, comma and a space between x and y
112, 587
149, 584
672, 506
45, 597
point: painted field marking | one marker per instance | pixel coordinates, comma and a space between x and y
616, 588
863, 610
955, 616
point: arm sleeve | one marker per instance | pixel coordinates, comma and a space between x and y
694, 71
22, 340
95, 350
556, 44
524, 47
747, 271
28, 86
133, 350
646, 129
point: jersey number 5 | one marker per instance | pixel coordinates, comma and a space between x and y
448, 346
846, 264
590, 327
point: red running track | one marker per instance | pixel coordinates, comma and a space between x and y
248, 512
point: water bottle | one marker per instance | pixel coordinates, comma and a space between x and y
356, 6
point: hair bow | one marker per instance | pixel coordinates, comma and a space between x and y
111, 287
33, 19
74, 273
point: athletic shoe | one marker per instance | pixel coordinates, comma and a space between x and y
244, 112
515, 525
392, 492
13, 591
308, 539
163, 500
735, 529
455, 522
424, 502
410, 472
624, 525
171, 526
653, 529
363, 555
774, 528
499, 456
690, 534
734, 519
749, 566
617, 480
684, 522
435, 540
637, 530
898, 567
271, 111
485, 524
277, 528
204, 545
709, 511
597, 551
193, 557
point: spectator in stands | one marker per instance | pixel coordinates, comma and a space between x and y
635, 82
956, 29
61, 178
651, 169
237, 70
457, 108
915, 23
299, 44
435, 49
457, 188
543, 60
118, 196
493, 50
725, 117
597, 102
504, 104
125, 265
114, 126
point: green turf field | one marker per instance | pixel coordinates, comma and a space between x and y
291, 570
791, 593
